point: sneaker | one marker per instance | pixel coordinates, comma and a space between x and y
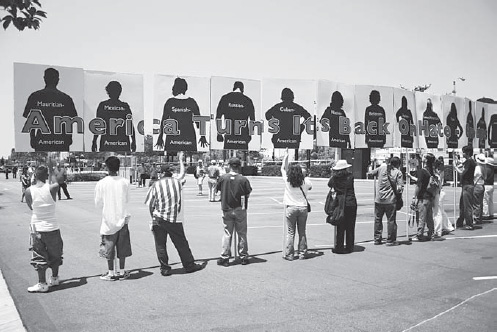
245, 261
68, 198
123, 276
38, 288
302, 257
223, 261
194, 268
108, 277
54, 281
392, 244
468, 228
377, 242
416, 238
166, 272
288, 258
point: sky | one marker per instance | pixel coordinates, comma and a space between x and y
381, 42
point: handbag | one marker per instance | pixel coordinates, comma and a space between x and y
399, 202
337, 216
328, 205
308, 205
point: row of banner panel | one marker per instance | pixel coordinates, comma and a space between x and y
71, 109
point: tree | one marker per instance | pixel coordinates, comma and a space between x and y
22, 14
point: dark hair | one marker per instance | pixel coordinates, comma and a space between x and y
114, 89
238, 85
180, 86
295, 175
374, 97
42, 173
113, 163
404, 102
287, 94
51, 76
395, 162
468, 149
430, 160
336, 100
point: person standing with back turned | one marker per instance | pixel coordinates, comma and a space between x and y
235, 190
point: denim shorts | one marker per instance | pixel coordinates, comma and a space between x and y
46, 249
120, 241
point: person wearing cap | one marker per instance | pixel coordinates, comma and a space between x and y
235, 190
213, 174
388, 175
479, 188
342, 182
488, 197
466, 170
200, 175
166, 207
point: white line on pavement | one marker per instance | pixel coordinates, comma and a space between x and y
485, 278
471, 237
450, 309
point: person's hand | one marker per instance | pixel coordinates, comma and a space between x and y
133, 146
220, 138
94, 147
203, 141
180, 155
160, 143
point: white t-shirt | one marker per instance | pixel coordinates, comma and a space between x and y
43, 217
112, 195
293, 195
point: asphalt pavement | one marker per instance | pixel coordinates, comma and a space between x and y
411, 287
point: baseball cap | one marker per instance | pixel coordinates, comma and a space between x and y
167, 168
234, 162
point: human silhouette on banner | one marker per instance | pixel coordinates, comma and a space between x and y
492, 132
374, 113
179, 110
284, 112
115, 138
235, 106
456, 130
481, 128
431, 118
404, 113
470, 126
49, 103
333, 113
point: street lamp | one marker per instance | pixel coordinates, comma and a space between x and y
462, 79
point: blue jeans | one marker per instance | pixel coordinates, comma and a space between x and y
425, 209
235, 220
391, 213
478, 194
296, 217
466, 203
177, 234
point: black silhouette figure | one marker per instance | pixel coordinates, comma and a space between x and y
481, 128
455, 128
470, 126
180, 109
374, 113
431, 118
115, 137
235, 106
404, 113
333, 113
51, 102
284, 112
492, 131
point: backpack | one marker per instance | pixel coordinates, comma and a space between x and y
433, 185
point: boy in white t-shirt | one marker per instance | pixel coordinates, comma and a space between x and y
112, 195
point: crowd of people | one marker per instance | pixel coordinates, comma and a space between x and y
166, 206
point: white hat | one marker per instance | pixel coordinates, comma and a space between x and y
489, 161
341, 164
481, 158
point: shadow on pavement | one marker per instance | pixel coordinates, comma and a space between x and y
138, 274
71, 283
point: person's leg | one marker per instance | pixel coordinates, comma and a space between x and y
460, 219
491, 201
350, 216
391, 214
290, 221
66, 192
108, 251
422, 210
160, 239
55, 249
379, 210
340, 229
241, 231
229, 225
468, 205
59, 193
437, 216
478, 194
429, 218
301, 227
178, 237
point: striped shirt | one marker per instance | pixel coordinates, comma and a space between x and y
164, 199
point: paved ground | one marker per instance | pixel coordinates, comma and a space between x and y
418, 287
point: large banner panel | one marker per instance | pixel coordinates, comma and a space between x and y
48, 108
404, 133
482, 116
429, 126
454, 119
470, 122
374, 106
288, 108
492, 126
182, 108
335, 115
114, 111
236, 109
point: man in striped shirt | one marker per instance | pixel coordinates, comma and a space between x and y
165, 203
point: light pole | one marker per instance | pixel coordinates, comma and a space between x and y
462, 79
